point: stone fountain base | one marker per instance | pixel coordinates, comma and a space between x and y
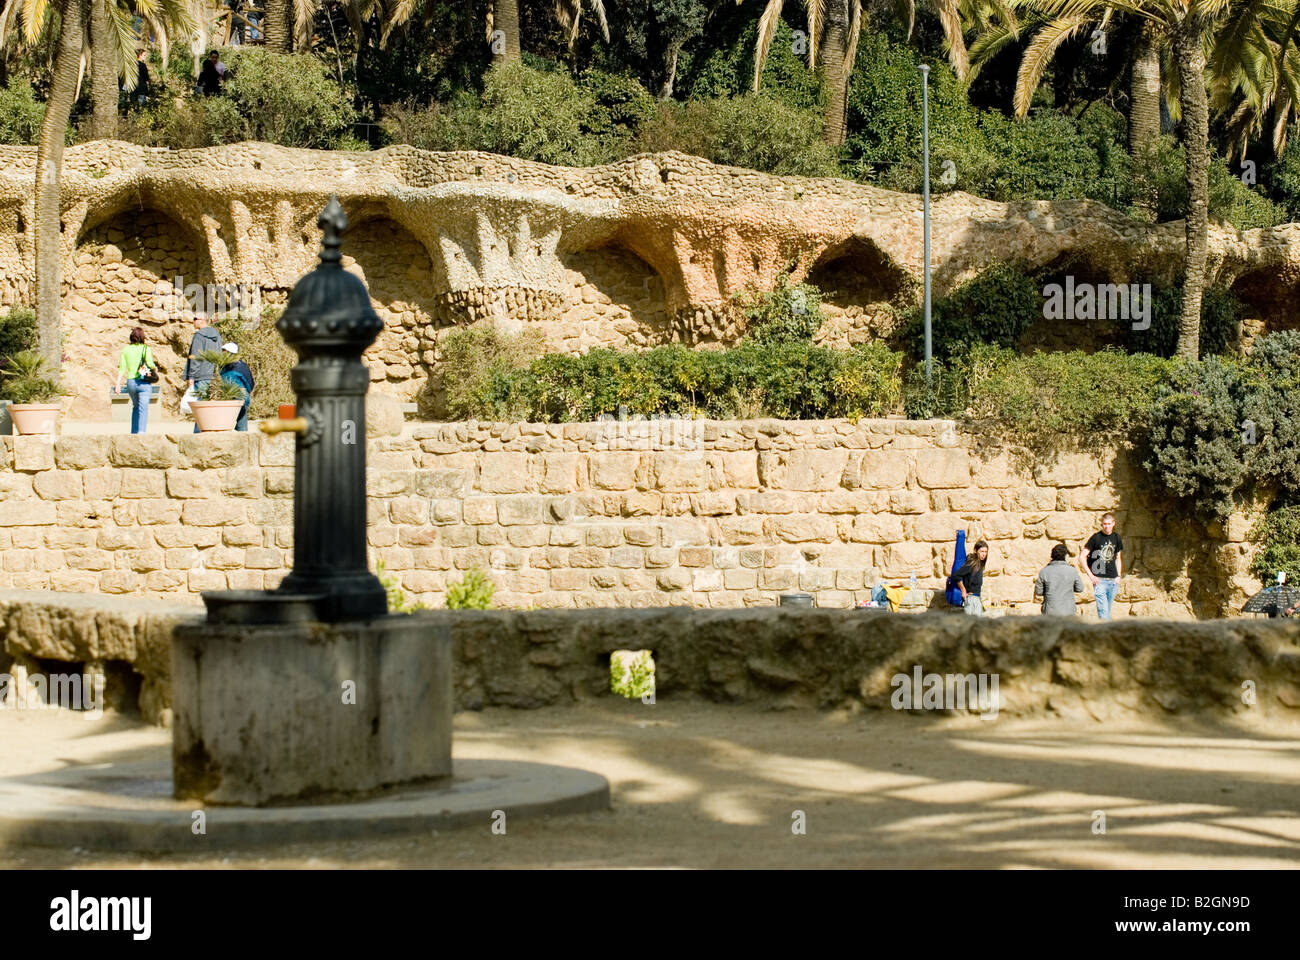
299, 711
129, 807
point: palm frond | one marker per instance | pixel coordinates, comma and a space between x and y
1039, 54
950, 20
816, 16
304, 13
855, 31
767, 24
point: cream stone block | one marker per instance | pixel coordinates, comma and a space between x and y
520, 510
713, 503
33, 453
877, 528
81, 453
1068, 470
58, 485
1071, 527
613, 471
480, 510
943, 468
211, 513
143, 484
560, 472
187, 484
805, 528
909, 502
883, 469
17, 513
503, 472
901, 559
676, 473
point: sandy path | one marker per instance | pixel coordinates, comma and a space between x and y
702, 785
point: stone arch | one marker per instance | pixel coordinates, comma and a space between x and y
1269, 300
398, 272
122, 261
612, 298
861, 288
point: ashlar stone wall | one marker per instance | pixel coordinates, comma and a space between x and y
702, 513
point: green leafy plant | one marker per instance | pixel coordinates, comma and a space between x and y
997, 306
20, 112
1221, 314
17, 332
474, 592
1278, 536
27, 379
398, 601
1194, 443
474, 358
791, 380
267, 355
789, 312
218, 388
632, 673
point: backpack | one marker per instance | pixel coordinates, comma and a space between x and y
953, 592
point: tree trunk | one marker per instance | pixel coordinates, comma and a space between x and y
1190, 56
670, 69
103, 75
505, 32
1144, 112
277, 25
834, 52
49, 167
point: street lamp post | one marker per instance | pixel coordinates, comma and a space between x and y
925, 202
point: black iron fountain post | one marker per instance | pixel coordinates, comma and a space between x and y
329, 322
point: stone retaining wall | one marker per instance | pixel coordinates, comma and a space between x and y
778, 658
689, 513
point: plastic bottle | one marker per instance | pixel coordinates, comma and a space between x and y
913, 579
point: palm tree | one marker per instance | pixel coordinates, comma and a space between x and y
49, 168
503, 15
112, 43
833, 30
1191, 27
276, 25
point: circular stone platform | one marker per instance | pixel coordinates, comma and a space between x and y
129, 806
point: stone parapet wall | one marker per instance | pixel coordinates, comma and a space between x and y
1045, 666
667, 513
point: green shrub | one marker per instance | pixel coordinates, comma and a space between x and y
476, 357
289, 99
790, 312
267, 355
996, 306
1271, 411
1278, 535
729, 72
17, 332
755, 131
20, 112
1230, 199
474, 592
398, 601
539, 115
622, 104
1049, 401
792, 380
1221, 315
632, 673
1195, 443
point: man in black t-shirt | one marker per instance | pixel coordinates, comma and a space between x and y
1101, 561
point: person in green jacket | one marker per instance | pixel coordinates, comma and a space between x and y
135, 365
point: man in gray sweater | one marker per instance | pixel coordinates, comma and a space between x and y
199, 372
1057, 583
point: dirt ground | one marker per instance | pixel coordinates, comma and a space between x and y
703, 785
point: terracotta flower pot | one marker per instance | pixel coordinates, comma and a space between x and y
213, 415
34, 418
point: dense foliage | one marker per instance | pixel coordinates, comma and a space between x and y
1278, 534
788, 379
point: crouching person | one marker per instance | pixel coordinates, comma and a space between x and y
238, 373
1057, 583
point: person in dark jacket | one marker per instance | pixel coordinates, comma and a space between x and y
238, 373
211, 75
971, 579
1057, 583
199, 372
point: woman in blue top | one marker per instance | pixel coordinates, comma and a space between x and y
135, 365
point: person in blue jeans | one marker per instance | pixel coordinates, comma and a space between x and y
1101, 561
134, 366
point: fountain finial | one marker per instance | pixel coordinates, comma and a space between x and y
333, 221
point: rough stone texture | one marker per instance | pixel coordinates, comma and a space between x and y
603, 514
278, 713
631, 254
810, 658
